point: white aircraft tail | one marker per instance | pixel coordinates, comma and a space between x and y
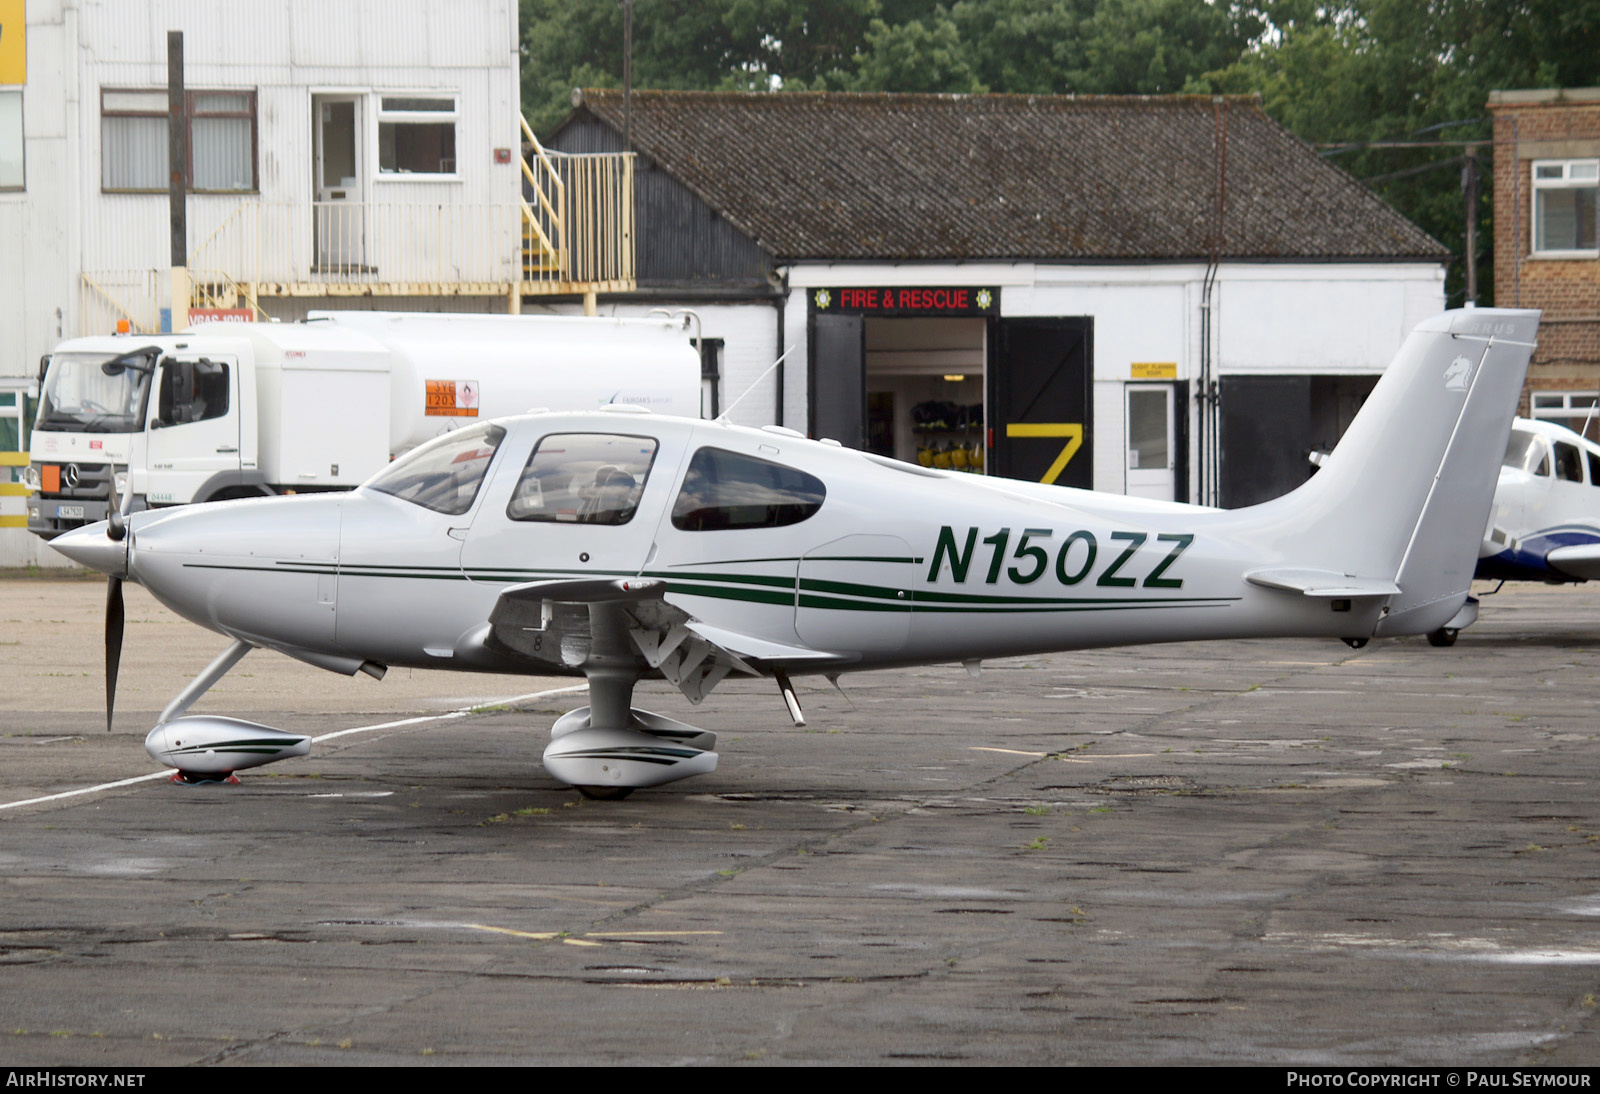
1406, 494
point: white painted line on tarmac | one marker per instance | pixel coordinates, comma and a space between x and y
88, 789
167, 773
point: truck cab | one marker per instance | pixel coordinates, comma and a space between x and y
228, 410
159, 416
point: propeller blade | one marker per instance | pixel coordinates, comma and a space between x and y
114, 620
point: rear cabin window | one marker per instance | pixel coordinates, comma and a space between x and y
583, 478
726, 490
443, 475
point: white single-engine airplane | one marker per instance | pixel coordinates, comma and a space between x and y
626, 545
1545, 524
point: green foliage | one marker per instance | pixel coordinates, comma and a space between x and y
1386, 70
1020, 46
1329, 70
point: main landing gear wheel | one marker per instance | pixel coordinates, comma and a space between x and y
1444, 636
604, 793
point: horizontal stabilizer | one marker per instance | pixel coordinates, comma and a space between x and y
1580, 560
760, 649
587, 590
1320, 583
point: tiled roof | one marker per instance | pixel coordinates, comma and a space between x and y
923, 177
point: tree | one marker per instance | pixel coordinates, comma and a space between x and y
1021, 46
1352, 71
1401, 70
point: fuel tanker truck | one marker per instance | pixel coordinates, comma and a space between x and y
233, 410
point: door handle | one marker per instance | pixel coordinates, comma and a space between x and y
226, 448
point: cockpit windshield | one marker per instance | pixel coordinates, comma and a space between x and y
443, 475
89, 393
1527, 452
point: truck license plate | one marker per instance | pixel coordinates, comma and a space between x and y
70, 512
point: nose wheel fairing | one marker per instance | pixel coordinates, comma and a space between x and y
209, 748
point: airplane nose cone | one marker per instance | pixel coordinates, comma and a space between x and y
90, 546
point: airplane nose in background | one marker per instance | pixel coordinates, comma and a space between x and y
90, 546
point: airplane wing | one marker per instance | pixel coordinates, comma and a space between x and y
1580, 560
574, 623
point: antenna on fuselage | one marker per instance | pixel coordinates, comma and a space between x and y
724, 415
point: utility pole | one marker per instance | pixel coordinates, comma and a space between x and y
627, 75
177, 158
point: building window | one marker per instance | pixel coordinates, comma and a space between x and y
220, 138
416, 135
1566, 208
1577, 410
11, 139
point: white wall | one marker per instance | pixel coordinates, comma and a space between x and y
38, 226
1321, 319
1310, 318
285, 50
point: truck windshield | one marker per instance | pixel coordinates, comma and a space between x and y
80, 397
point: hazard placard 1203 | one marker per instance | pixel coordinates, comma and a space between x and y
453, 398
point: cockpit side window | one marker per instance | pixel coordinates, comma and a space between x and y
1594, 468
1569, 462
726, 490
443, 475
1527, 452
583, 478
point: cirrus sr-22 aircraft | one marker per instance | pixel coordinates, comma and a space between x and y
626, 545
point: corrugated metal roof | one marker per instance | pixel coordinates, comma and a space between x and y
920, 177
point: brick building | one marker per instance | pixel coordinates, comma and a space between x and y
1546, 243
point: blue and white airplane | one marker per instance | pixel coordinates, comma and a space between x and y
626, 546
1545, 525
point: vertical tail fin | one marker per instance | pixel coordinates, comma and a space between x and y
1406, 493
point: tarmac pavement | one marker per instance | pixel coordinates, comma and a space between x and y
1284, 852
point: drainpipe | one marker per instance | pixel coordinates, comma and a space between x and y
1207, 398
783, 308
1516, 218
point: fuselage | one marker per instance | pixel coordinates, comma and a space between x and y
760, 532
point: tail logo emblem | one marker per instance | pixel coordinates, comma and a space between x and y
1457, 376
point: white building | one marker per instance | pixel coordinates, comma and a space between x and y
1170, 296
363, 153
